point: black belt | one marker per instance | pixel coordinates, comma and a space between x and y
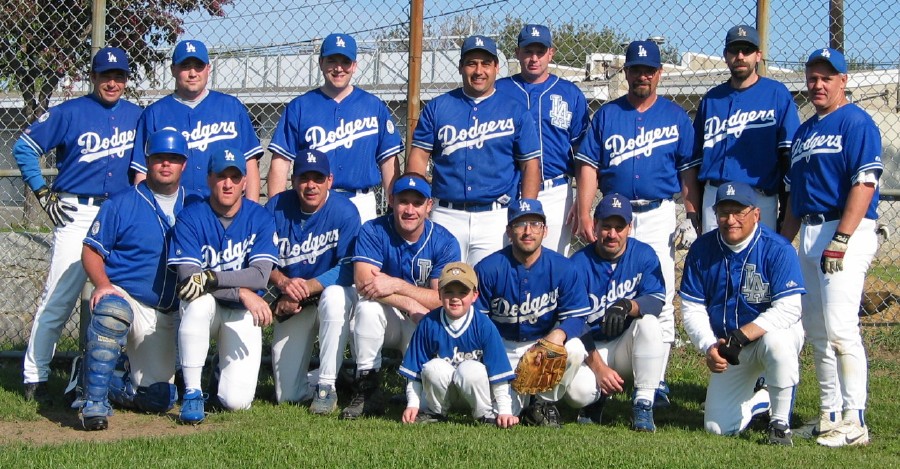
96, 201
471, 206
645, 206
819, 218
362, 191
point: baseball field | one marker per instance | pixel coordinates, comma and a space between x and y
287, 435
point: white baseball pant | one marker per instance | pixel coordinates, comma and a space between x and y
150, 344
239, 345
576, 355
830, 313
479, 233
730, 399
465, 386
768, 209
377, 326
557, 202
65, 280
293, 340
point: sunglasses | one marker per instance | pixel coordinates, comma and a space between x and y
746, 50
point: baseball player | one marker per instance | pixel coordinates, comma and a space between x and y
532, 293
396, 264
640, 146
133, 303
835, 166
316, 229
627, 292
93, 137
476, 139
208, 119
746, 126
741, 296
223, 250
456, 358
561, 119
353, 127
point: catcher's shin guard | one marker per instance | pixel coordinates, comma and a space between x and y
110, 321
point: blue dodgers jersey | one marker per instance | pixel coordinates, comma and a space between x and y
218, 121
132, 234
739, 133
475, 339
311, 244
527, 303
639, 154
93, 144
416, 263
738, 287
635, 273
827, 154
560, 113
357, 134
475, 147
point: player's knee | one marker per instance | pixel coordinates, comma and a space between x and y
232, 401
436, 369
470, 371
158, 397
111, 317
369, 316
575, 351
333, 304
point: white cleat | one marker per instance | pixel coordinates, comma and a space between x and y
819, 426
848, 433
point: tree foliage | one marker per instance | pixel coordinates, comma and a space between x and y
43, 43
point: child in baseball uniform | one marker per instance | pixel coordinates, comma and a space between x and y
457, 358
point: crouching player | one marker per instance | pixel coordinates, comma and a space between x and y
457, 358
133, 303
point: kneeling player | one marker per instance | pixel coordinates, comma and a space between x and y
456, 357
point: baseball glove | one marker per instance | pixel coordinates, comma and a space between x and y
541, 368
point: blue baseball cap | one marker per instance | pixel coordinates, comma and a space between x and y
614, 205
523, 207
190, 49
411, 182
225, 158
742, 33
833, 57
738, 192
643, 53
479, 43
110, 58
339, 44
535, 34
311, 160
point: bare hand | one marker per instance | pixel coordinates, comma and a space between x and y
507, 421
100, 292
295, 288
409, 415
285, 306
609, 381
256, 306
715, 362
585, 229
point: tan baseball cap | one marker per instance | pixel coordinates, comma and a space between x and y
458, 272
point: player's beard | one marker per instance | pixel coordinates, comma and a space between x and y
641, 92
743, 73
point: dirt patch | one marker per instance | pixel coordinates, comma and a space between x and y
57, 426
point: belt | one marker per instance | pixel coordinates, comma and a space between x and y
640, 206
95, 200
766, 193
555, 182
471, 206
362, 191
819, 218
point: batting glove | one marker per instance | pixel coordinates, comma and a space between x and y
55, 207
197, 285
732, 347
615, 317
685, 235
833, 256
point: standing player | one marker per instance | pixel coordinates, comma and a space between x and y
627, 292
134, 303
532, 293
92, 136
316, 230
351, 126
396, 265
640, 146
835, 166
456, 356
741, 301
560, 114
208, 119
744, 129
223, 250
476, 139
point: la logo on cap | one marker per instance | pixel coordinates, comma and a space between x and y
616, 203
412, 182
641, 51
340, 41
535, 32
189, 47
523, 206
479, 42
825, 53
310, 158
110, 57
229, 156
730, 190
742, 32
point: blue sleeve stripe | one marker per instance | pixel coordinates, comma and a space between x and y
785, 144
367, 260
389, 153
138, 168
529, 156
659, 296
96, 245
184, 260
427, 146
275, 148
871, 166
575, 313
584, 159
264, 257
507, 376
253, 152
407, 373
690, 164
34, 146
695, 299
792, 291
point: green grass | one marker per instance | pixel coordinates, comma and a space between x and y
286, 435
885, 272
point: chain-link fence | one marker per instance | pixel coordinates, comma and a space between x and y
265, 52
